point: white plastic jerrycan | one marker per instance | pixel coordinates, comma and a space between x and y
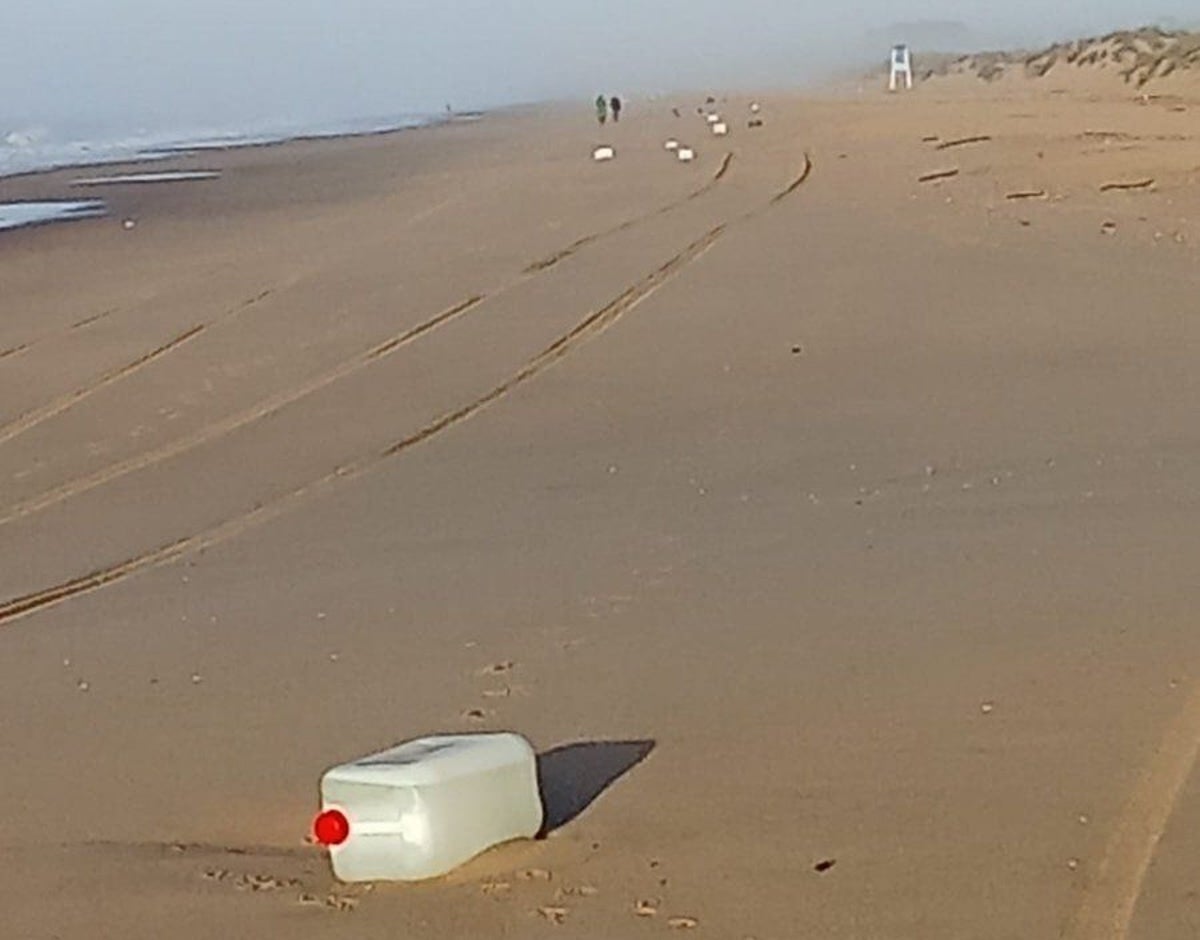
425, 807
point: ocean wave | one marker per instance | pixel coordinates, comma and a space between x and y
23, 214
37, 149
24, 139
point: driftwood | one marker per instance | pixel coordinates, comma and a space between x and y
938, 175
1026, 194
963, 141
930, 139
1135, 184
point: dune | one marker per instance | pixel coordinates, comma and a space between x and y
1143, 61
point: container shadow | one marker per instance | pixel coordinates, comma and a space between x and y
572, 776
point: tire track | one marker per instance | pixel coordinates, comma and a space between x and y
211, 432
57, 406
563, 254
597, 322
592, 325
95, 318
78, 325
796, 183
37, 415
88, 321
723, 168
274, 404
1108, 906
39, 600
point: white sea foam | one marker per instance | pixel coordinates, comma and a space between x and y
20, 214
33, 149
178, 176
26, 138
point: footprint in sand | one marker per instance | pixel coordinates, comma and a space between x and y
336, 903
252, 882
556, 915
580, 891
498, 890
341, 903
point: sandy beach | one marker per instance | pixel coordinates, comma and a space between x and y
833, 534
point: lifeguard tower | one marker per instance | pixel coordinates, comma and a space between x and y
901, 68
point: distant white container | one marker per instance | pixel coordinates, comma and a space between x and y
686, 154
425, 807
603, 153
754, 107
671, 144
720, 129
713, 119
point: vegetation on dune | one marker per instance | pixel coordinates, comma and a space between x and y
1137, 56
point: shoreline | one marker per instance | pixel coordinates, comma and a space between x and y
157, 158
152, 153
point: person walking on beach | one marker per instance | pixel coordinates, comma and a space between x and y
615, 104
601, 109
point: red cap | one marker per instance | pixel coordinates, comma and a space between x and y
331, 827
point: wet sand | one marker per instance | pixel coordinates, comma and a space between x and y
832, 534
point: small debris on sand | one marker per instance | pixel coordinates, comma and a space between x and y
1135, 184
963, 141
938, 175
823, 866
683, 923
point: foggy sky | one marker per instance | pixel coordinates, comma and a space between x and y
223, 60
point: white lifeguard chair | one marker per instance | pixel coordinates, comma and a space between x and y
901, 68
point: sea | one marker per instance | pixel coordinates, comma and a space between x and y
33, 148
